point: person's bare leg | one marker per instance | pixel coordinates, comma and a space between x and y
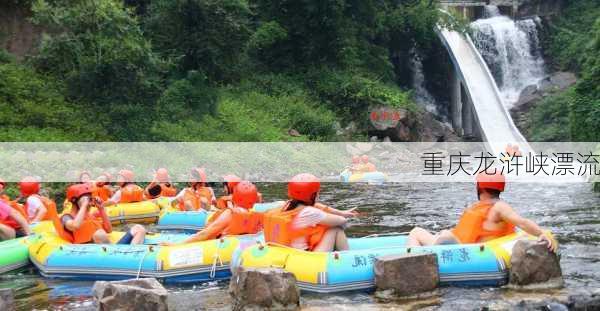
445, 237
328, 241
101, 237
341, 241
139, 234
420, 237
7, 233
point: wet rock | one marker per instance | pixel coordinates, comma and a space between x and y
558, 81
294, 133
135, 294
583, 302
7, 299
264, 288
406, 274
533, 264
528, 95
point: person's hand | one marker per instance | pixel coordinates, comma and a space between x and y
549, 239
350, 213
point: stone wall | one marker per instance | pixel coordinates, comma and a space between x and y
17, 34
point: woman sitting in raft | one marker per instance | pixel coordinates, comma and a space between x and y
13, 222
102, 188
162, 183
80, 227
128, 191
303, 223
487, 219
236, 220
36, 206
197, 196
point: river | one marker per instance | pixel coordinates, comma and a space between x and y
571, 211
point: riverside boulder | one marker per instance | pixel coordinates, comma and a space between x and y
407, 274
532, 263
7, 300
264, 288
135, 294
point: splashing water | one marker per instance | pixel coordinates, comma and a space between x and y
421, 95
512, 51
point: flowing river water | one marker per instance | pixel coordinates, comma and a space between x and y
572, 211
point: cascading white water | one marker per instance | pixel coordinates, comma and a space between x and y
511, 50
421, 95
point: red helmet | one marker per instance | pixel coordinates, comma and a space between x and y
365, 158
355, 159
304, 188
2, 182
28, 186
162, 175
197, 175
231, 181
127, 175
74, 192
495, 181
245, 195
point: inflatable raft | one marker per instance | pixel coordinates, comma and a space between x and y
370, 177
14, 254
174, 219
463, 264
139, 212
194, 262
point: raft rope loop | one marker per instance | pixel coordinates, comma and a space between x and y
150, 249
216, 258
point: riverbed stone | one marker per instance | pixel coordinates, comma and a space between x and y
7, 299
406, 274
533, 264
135, 294
263, 288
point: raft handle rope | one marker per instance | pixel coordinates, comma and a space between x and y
216, 258
374, 235
139, 272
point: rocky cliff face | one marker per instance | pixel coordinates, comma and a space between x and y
17, 34
528, 8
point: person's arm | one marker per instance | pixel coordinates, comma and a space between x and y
106, 225
14, 214
115, 199
509, 215
74, 224
209, 232
40, 211
331, 220
334, 211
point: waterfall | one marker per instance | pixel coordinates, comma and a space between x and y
511, 50
421, 95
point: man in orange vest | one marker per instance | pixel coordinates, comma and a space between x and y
234, 220
198, 195
13, 224
305, 224
36, 206
160, 186
129, 192
487, 219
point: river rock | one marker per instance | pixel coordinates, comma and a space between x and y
532, 263
7, 299
135, 294
264, 288
406, 274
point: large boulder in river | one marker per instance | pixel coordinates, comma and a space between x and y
7, 300
264, 288
407, 274
533, 264
135, 294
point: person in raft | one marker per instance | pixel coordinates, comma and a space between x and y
366, 165
81, 227
13, 222
128, 191
102, 188
305, 224
355, 166
236, 220
229, 184
487, 219
198, 195
36, 206
160, 186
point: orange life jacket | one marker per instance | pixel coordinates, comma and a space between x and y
11, 222
222, 202
47, 202
470, 226
279, 229
131, 193
4, 198
167, 190
246, 222
103, 193
84, 234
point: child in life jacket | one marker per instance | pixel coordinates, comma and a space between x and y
486, 219
102, 188
235, 220
355, 166
13, 222
36, 206
80, 226
128, 191
197, 196
160, 186
303, 223
229, 184
366, 165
